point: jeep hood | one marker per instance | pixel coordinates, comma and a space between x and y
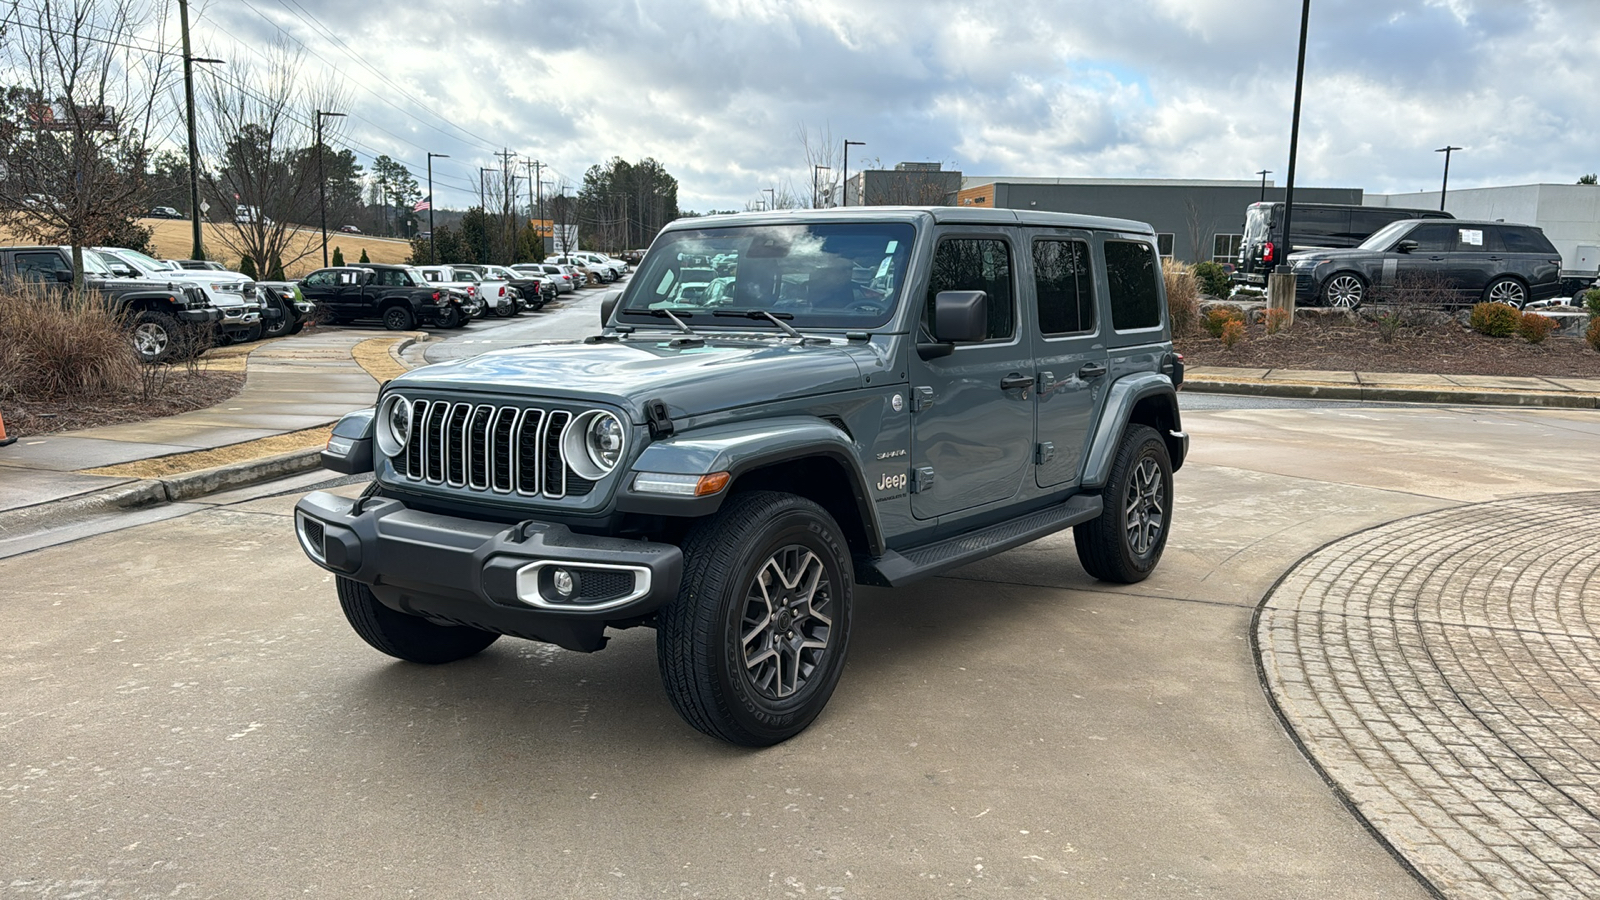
694, 379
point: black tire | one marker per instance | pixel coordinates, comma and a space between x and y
251, 333
1140, 486
450, 318
398, 318
279, 327
1506, 290
410, 638
506, 312
298, 326
1344, 290
730, 561
155, 336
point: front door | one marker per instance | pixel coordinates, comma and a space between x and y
1422, 271
1070, 348
972, 411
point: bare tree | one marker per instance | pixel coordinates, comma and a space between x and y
75, 132
1200, 228
821, 150
259, 118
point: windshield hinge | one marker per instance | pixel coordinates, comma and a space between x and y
660, 422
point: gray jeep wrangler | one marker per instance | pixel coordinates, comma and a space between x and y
779, 406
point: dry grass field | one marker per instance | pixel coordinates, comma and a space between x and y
170, 240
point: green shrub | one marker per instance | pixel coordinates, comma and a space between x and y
1183, 297
247, 266
1534, 327
338, 257
1217, 319
275, 271
1213, 279
1495, 319
364, 255
1591, 301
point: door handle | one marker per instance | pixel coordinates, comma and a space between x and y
1014, 381
1092, 370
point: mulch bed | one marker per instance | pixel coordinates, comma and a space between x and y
183, 392
1440, 349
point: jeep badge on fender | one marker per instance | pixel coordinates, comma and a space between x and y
711, 463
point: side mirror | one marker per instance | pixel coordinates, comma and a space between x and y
608, 305
960, 317
1405, 246
64, 276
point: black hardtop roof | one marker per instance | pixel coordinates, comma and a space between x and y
1475, 222
973, 215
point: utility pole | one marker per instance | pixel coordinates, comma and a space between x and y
483, 205
1280, 284
322, 185
772, 198
845, 184
1445, 185
197, 250
509, 186
536, 189
433, 248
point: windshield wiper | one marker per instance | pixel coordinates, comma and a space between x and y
774, 318
665, 313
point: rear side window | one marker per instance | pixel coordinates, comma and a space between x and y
1524, 240
1063, 286
976, 264
1131, 281
1314, 222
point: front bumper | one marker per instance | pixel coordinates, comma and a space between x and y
489, 576
200, 315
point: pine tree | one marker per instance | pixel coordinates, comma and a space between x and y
275, 271
338, 257
364, 255
247, 266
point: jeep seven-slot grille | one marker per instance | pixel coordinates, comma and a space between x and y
504, 449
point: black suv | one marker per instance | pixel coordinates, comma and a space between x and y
1472, 261
1316, 225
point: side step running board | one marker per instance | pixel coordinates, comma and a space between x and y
896, 568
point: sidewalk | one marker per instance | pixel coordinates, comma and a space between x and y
294, 390
1566, 393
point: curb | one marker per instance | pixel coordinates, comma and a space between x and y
158, 491
1310, 390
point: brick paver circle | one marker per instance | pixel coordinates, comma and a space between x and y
1443, 672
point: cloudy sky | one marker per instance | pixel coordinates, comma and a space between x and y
720, 90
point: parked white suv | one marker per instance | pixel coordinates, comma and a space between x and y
231, 292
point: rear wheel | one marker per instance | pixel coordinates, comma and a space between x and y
1506, 290
410, 638
398, 318
753, 645
451, 317
1124, 544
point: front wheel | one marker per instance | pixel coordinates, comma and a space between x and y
1125, 542
154, 336
1508, 291
753, 645
398, 318
406, 637
1344, 291
280, 326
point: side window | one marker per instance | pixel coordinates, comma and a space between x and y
1063, 286
319, 279
1469, 239
1521, 240
1311, 221
976, 264
1433, 238
40, 267
1164, 245
1131, 281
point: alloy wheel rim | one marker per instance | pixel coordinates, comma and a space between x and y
1144, 504
150, 339
786, 623
1344, 292
1508, 292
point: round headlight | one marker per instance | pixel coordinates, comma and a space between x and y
603, 439
393, 428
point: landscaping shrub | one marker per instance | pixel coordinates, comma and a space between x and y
364, 255
67, 347
338, 257
1213, 279
1593, 334
1218, 318
247, 266
1591, 301
1389, 325
1494, 319
1183, 297
275, 271
1232, 333
1534, 327
1277, 320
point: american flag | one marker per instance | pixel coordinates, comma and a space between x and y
423, 204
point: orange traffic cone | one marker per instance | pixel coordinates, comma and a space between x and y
4, 441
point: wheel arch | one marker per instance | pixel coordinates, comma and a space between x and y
1357, 274
1144, 399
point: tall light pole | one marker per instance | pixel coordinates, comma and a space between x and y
1264, 173
483, 205
772, 198
322, 183
197, 251
1294, 142
1445, 185
815, 198
845, 180
433, 248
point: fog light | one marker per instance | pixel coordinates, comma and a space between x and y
562, 581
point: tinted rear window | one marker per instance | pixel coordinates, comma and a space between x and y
1524, 240
1133, 285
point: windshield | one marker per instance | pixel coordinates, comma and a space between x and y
1383, 237
819, 276
97, 263
417, 278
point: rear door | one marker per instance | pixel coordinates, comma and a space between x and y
1070, 348
1474, 259
973, 415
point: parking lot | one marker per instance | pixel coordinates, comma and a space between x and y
1011, 728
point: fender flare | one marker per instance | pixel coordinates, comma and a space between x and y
742, 448
1126, 394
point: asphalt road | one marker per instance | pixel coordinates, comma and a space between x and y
576, 316
183, 711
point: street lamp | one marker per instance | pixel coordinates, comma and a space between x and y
814, 171
1446, 150
322, 182
772, 198
1264, 173
433, 250
845, 182
1294, 146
